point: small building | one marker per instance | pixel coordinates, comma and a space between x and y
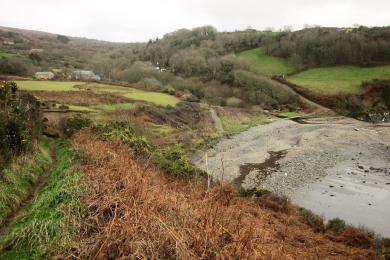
84, 75
5, 42
44, 75
36, 51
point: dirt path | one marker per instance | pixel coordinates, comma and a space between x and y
31, 194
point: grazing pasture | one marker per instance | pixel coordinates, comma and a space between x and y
333, 80
31, 85
265, 64
156, 98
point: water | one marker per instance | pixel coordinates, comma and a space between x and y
359, 196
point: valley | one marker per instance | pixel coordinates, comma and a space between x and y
201, 144
324, 164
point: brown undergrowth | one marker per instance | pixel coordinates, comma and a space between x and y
137, 212
81, 98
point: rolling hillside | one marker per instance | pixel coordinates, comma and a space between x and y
332, 80
265, 64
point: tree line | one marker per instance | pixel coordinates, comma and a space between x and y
314, 47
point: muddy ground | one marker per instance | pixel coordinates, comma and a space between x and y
335, 166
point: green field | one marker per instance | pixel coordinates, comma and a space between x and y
6, 55
265, 64
31, 85
132, 93
153, 97
333, 80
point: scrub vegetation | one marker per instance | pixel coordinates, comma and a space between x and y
114, 178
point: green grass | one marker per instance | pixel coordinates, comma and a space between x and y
6, 55
19, 177
46, 223
232, 127
333, 80
265, 64
114, 107
81, 108
156, 98
32, 85
292, 114
161, 130
160, 99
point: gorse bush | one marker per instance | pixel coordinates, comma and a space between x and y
313, 220
336, 225
19, 121
125, 133
75, 123
253, 192
259, 90
172, 160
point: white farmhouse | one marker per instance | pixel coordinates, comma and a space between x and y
44, 75
84, 75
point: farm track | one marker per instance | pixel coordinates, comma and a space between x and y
31, 194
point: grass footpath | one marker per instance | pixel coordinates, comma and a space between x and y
332, 80
265, 64
17, 179
48, 222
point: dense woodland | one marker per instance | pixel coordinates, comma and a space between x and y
315, 47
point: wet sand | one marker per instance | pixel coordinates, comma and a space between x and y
337, 167
356, 190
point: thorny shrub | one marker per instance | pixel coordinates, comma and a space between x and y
172, 160
335, 225
76, 123
313, 220
20, 121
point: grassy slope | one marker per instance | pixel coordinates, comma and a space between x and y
153, 97
139, 95
44, 225
231, 126
333, 80
267, 65
19, 177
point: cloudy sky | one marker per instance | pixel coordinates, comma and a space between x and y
129, 20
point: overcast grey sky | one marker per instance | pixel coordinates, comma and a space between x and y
121, 20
